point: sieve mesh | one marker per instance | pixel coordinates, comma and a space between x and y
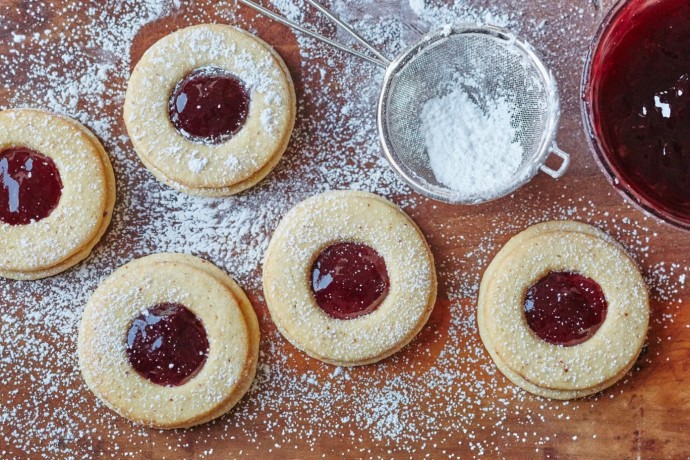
485, 67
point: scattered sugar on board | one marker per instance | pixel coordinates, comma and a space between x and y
443, 388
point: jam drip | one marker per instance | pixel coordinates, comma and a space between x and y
565, 308
209, 106
349, 280
31, 186
641, 100
167, 344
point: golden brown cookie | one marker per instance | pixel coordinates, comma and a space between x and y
560, 252
210, 109
179, 334
349, 278
58, 193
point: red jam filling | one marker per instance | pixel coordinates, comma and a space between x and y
31, 186
641, 100
565, 308
209, 106
349, 280
167, 344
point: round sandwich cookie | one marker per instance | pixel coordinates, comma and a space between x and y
57, 194
210, 109
563, 310
349, 278
169, 341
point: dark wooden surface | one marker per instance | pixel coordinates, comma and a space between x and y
645, 416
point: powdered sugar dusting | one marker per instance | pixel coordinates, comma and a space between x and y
440, 397
196, 163
471, 150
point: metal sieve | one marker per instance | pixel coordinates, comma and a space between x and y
496, 62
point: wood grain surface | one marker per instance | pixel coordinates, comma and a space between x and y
647, 415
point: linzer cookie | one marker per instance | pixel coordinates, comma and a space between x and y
57, 194
349, 278
169, 341
563, 310
210, 109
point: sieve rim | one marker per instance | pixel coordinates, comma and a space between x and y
437, 37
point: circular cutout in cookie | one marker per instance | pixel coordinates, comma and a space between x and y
167, 344
209, 105
565, 308
349, 280
31, 186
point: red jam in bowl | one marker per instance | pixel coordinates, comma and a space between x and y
209, 106
638, 92
349, 280
167, 344
30, 186
565, 308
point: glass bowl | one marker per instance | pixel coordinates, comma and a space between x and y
619, 20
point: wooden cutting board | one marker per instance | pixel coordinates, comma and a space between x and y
441, 396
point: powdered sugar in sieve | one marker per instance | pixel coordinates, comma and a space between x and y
468, 114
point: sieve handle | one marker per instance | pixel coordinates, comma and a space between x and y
379, 59
565, 162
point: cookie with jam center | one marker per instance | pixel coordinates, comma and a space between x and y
180, 335
349, 278
563, 310
58, 193
210, 109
